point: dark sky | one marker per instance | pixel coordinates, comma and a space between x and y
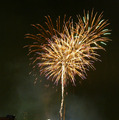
97, 98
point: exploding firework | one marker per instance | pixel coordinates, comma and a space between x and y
70, 49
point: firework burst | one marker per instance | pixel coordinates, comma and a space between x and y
70, 49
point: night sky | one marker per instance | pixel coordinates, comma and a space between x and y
96, 98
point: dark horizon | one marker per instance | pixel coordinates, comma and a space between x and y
96, 98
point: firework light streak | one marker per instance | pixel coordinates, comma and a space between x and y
70, 49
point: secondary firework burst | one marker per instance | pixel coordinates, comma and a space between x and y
70, 49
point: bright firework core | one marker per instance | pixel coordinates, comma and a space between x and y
69, 49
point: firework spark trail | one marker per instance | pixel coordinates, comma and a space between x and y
62, 82
70, 49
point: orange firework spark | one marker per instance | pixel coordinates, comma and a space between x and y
70, 49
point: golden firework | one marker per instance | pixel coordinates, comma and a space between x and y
70, 49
